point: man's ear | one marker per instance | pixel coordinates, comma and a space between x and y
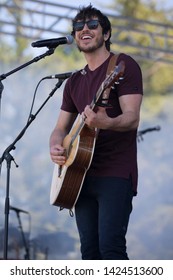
106, 35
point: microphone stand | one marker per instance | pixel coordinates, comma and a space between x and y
35, 59
8, 157
23, 237
27, 255
1, 90
150, 129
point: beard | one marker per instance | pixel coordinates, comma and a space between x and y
89, 49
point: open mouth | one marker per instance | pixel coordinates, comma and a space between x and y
86, 37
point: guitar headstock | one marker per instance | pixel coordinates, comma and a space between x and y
112, 78
115, 75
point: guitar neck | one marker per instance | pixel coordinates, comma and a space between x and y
81, 121
96, 98
77, 128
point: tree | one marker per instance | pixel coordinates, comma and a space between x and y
157, 75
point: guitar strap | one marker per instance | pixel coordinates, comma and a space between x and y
112, 63
105, 95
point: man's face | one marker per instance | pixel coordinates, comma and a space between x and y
89, 35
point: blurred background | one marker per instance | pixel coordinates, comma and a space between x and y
144, 30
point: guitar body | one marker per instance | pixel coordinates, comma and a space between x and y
67, 185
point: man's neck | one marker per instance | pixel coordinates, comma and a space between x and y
95, 59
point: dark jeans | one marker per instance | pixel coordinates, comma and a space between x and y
102, 215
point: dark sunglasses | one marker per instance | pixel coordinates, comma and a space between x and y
79, 25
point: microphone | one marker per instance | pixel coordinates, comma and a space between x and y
17, 210
62, 76
53, 43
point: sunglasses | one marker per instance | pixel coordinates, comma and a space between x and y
79, 25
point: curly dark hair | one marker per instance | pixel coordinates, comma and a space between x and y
88, 13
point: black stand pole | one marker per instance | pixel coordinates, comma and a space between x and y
150, 129
8, 157
37, 58
26, 257
1, 90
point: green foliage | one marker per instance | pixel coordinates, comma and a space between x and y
157, 76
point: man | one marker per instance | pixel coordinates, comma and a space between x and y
104, 205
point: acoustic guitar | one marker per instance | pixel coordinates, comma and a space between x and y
79, 144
